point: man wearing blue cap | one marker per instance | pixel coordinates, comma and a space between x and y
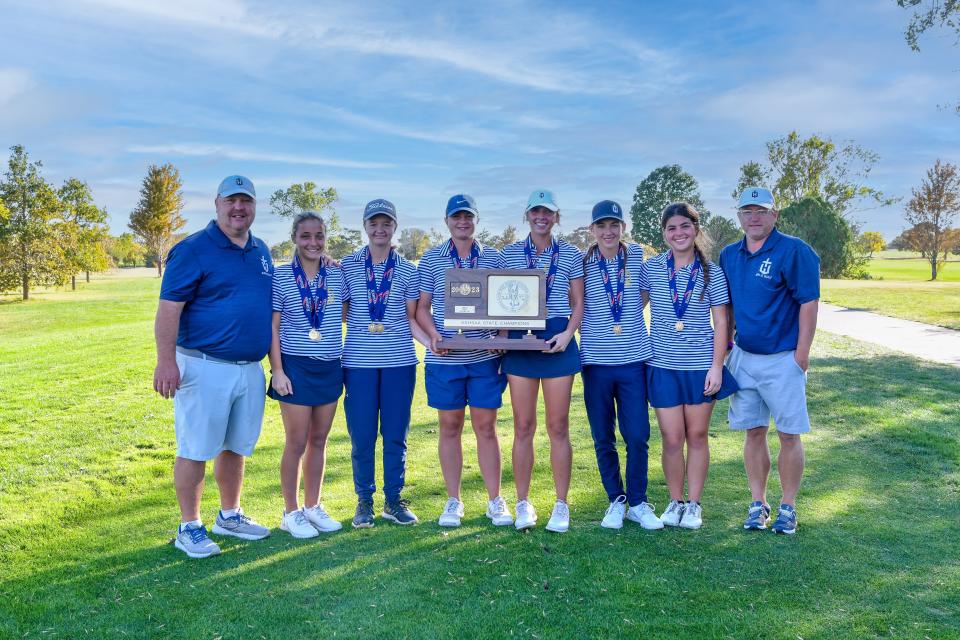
212, 330
774, 282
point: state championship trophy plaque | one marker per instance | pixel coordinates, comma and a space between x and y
495, 299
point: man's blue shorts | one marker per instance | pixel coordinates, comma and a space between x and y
454, 386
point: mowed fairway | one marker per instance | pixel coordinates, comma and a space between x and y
902, 288
87, 510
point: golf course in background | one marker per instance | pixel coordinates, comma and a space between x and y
87, 509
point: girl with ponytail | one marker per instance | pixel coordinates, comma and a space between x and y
686, 375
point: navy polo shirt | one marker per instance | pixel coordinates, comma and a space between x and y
767, 289
227, 294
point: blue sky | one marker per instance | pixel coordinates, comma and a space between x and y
416, 101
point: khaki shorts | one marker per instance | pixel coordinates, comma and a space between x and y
218, 407
771, 384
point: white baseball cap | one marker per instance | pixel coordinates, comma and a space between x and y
756, 195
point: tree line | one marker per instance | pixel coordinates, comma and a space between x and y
49, 235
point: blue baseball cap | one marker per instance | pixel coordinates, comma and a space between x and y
461, 202
607, 210
542, 198
380, 207
233, 185
758, 196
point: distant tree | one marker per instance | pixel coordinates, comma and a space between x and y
436, 237
666, 184
917, 238
306, 196
870, 242
302, 197
413, 243
125, 251
32, 238
936, 202
86, 224
721, 231
932, 13
282, 251
343, 242
484, 236
156, 217
508, 236
799, 168
816, 222
580, 237
950, 243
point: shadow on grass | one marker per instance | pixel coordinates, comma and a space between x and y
869, 559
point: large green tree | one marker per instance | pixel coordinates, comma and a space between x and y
307, 196
721, 231
936, 204
666, 184
413, 243
86, 224
871, 242
125, 251
823, 228
157, 217
814, 167
32, 241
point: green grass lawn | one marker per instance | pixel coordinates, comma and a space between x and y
87, 511
902, 288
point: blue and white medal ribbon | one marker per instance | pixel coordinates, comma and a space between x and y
531, 252
377, 296
313, 303
680, 305
614, 298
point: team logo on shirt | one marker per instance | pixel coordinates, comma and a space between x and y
764, 271
265, 265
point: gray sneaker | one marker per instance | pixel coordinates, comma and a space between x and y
194, 542
239, 526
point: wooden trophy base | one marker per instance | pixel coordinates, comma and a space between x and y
528, 342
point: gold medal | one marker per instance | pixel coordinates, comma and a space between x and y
314, 335
380, 327
679, 325
372, 327
617, 329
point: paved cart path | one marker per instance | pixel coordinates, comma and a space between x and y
926, 341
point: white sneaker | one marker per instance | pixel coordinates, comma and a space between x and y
643, 513
452, 513
296, 524
613, 519
692, 516
526, 516
498, 512
673, 514
560, 518
320, 519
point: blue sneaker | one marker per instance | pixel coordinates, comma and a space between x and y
194, 542
398, 511
363, 518
758, 516
786, 520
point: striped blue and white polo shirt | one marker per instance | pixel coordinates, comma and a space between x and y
394, 346
569, 267
433, 269
692, 348
294, 326
598, 342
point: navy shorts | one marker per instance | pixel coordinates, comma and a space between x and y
454, 386
537, 364
315, 382
673, 387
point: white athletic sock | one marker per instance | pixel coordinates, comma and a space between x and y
192, 523
229, 513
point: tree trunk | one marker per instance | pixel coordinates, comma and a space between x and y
159, 269
933, 268
73, 282
88, 276
26, 287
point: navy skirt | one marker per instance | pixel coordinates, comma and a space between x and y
672, 387
537, 364
315, 382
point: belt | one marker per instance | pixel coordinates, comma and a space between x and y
196, 353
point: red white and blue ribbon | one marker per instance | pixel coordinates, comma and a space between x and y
313, 300
531, 252
680, 305
377, 296
458, 262
614, 298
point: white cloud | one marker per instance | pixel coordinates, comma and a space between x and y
253, 155
13, 83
